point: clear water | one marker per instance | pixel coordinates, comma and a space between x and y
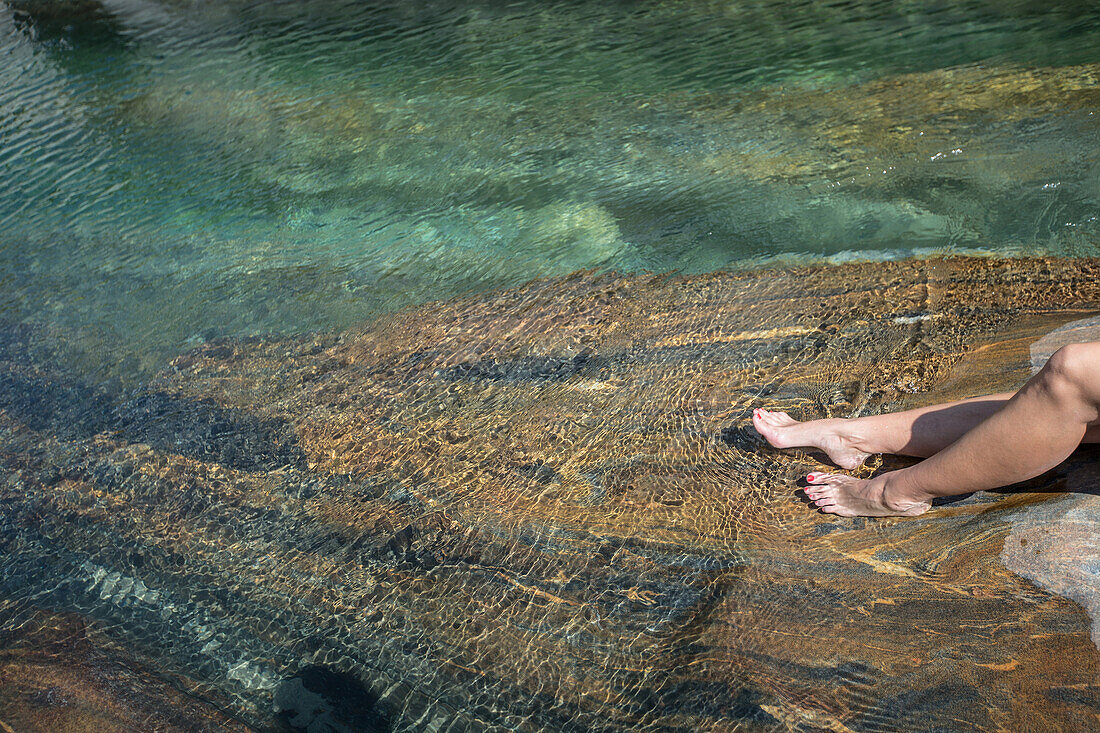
175, 171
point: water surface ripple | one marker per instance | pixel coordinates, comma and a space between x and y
172, 172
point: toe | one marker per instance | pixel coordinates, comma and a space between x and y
775, 419
782, 419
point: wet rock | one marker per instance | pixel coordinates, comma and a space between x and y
544, 509
60, 674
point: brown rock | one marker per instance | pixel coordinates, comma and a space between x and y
544, 509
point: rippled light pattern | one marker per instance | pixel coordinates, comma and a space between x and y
177, 171
545, 509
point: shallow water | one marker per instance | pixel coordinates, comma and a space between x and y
172, 172
545, 509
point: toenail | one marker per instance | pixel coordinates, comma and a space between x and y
809, 477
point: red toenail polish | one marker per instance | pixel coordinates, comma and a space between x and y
809, 477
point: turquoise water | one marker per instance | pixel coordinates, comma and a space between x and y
172, 172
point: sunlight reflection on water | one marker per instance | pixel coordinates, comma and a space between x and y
173, 172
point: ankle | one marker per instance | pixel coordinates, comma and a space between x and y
849, 433
898, 494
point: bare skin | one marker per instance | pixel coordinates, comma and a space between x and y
970, 445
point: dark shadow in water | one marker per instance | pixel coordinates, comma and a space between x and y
48, 399
742, 437
524, 369
66, 23
319, 698
203, 430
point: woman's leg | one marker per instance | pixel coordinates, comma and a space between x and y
1034, 431
921, 432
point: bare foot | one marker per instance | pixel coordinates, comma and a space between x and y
836, 493
783, 431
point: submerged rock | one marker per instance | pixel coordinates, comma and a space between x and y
59, 674
544, 509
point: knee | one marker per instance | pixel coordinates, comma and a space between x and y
1074, 365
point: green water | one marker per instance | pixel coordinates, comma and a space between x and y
177, 171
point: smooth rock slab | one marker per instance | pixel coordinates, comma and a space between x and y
545, 509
